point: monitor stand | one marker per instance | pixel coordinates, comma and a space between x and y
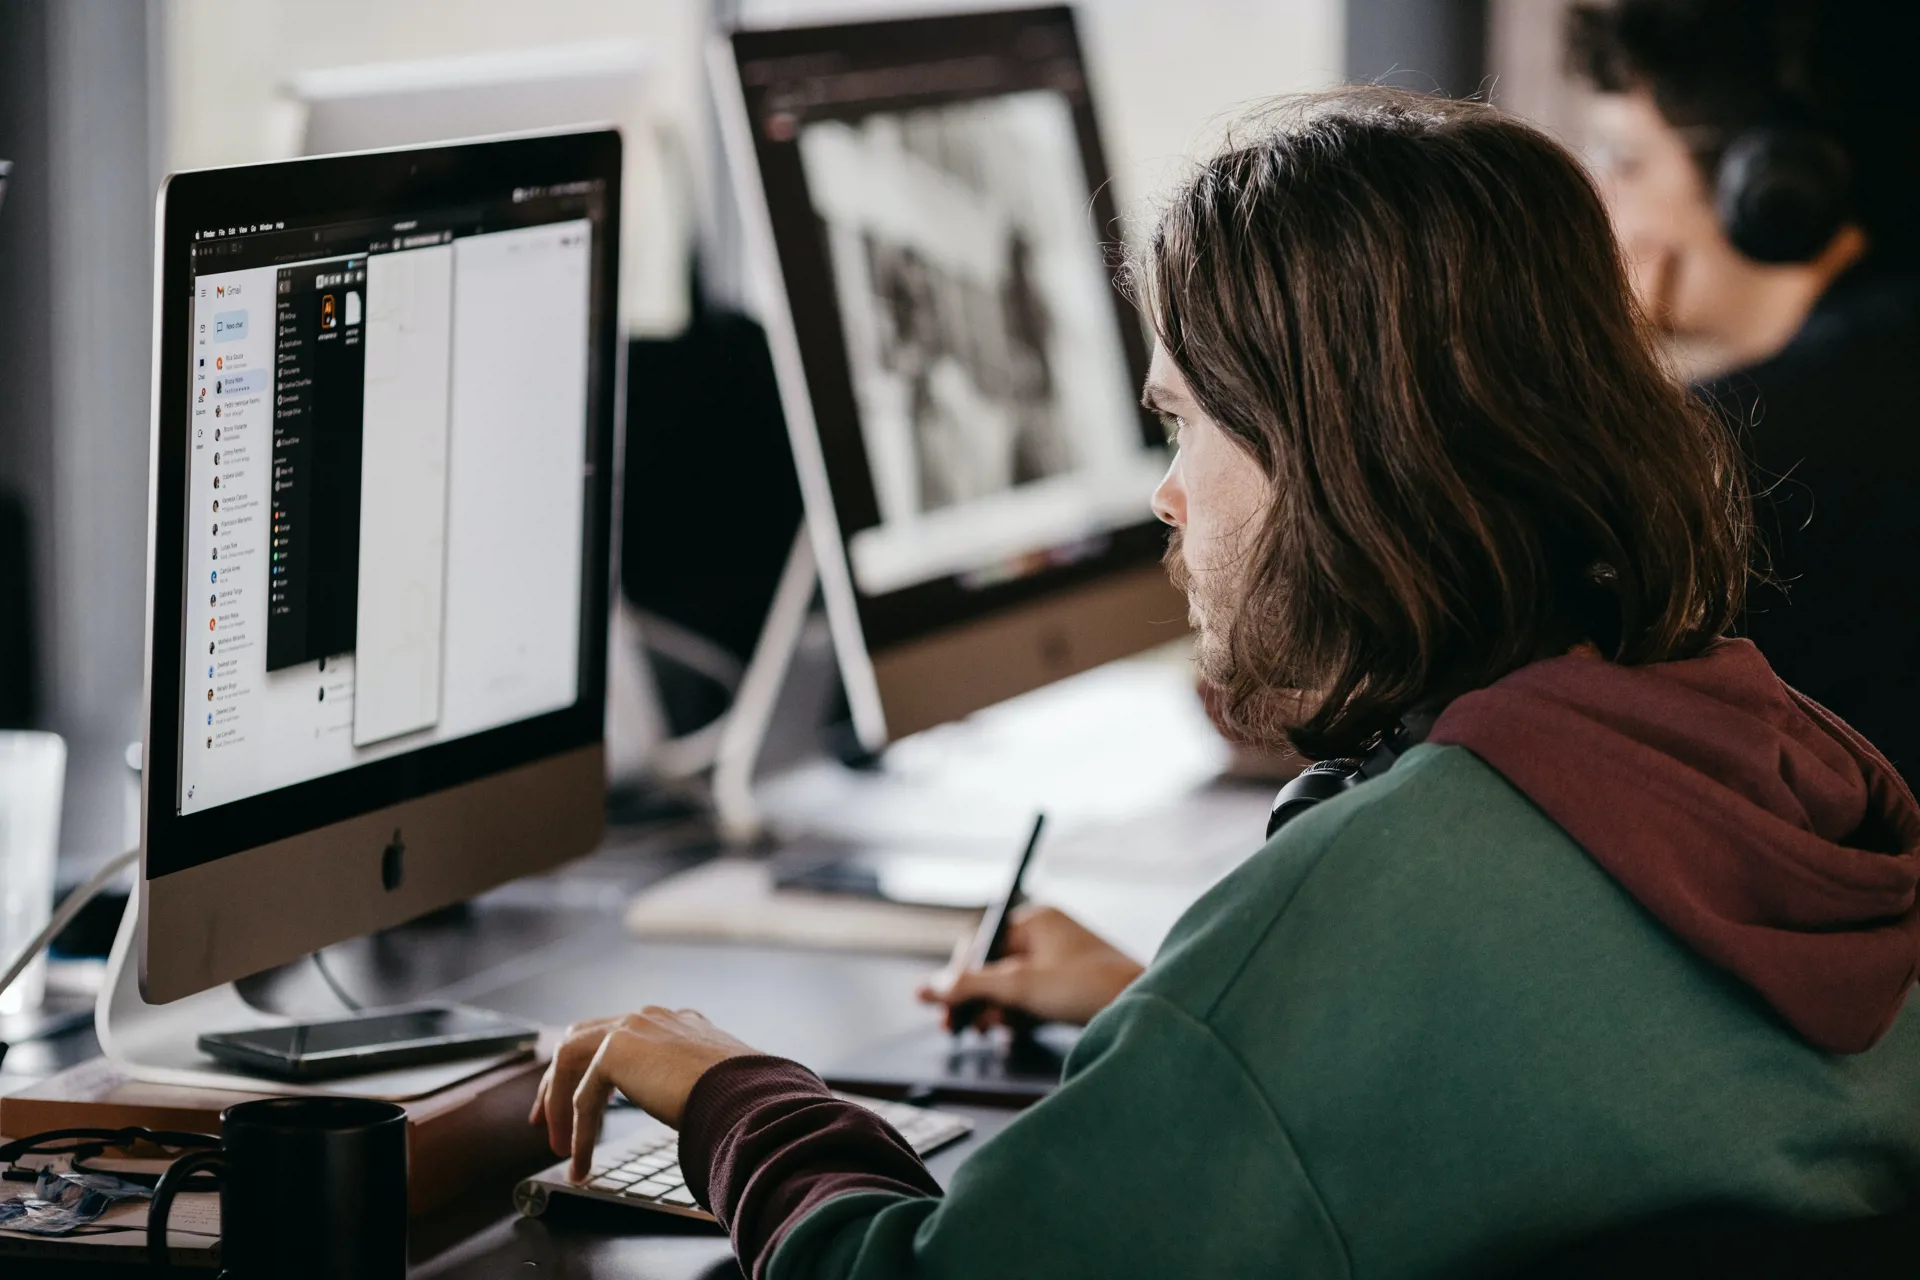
774, 688
156, 1043
744, 736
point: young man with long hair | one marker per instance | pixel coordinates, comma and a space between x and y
1631, 930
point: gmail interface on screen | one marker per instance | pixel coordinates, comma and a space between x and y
386, 487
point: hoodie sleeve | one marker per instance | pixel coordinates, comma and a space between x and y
1109, 1176
763, 1141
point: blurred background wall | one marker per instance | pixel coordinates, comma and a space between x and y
1527, 70
100, 98
1434, 46
1164, 70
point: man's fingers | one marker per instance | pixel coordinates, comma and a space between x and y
1020, 930
589, 1105
956, 964
1025, 925
1002, 982
570, 1063
540, 1096
934, 989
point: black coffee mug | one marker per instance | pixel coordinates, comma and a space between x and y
310, 1189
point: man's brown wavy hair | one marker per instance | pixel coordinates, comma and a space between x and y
1412, 314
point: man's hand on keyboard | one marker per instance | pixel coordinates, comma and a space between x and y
1055, 968
654, 1057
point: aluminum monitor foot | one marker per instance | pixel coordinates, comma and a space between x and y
157, 1043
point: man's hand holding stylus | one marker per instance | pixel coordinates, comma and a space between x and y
1054, 968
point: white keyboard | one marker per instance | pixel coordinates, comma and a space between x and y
647, 1174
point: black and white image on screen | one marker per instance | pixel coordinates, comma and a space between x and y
990, 377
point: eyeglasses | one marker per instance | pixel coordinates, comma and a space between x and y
82, 1145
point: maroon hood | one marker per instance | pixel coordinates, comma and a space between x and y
1770, 837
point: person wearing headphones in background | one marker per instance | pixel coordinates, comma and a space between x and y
1761, 163
1630, 932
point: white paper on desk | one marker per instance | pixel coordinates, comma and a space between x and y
193, 1221
733, 900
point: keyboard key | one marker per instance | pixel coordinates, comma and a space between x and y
650, 1189
679, 1195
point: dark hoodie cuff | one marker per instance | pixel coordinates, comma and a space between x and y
763, 1142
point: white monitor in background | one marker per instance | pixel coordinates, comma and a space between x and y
392, 104
929, 201
372, 106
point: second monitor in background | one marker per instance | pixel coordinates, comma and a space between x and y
957, 366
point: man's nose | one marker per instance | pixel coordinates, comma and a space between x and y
1170, 499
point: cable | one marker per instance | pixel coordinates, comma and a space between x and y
64, 914
326, 975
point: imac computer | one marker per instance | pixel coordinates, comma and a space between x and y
929, 218
385, 387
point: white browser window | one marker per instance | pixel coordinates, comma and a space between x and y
386, 503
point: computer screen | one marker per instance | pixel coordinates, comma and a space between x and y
990, 381
945, 233
385, 388
386, 486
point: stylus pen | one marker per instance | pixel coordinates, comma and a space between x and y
990, 940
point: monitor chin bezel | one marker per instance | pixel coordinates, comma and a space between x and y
346, 188
274, 903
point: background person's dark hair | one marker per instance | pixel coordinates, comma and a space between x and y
1717, 68
1411, 312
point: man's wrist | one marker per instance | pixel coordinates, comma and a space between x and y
726, 1092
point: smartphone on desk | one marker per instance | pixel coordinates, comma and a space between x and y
365, 1043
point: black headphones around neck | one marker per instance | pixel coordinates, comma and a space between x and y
1325, 779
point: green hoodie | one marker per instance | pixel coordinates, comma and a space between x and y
1420, 1033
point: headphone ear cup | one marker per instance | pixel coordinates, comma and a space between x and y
1783, 194
1321, 780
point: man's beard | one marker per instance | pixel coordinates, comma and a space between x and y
1253, 713
1208, 614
